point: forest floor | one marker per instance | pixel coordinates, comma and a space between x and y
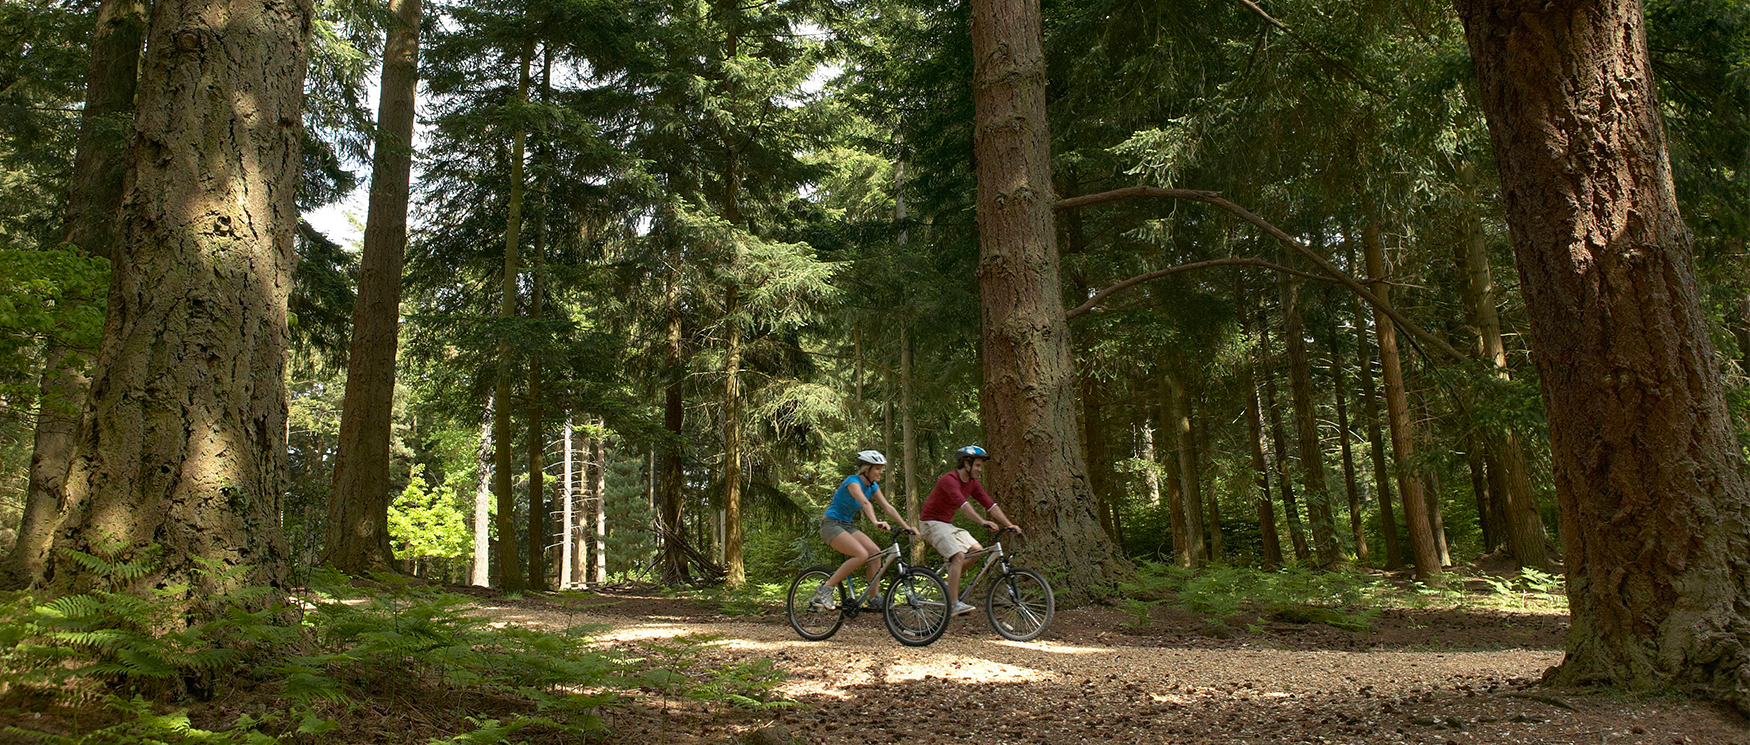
1452, 676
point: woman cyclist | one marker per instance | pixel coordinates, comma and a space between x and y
853, 496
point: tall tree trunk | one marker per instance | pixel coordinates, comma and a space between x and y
1477, 466
1306, 428
1028, 398
1212, 502
1255, 434
1520, 521
1173, 482
358, 508
94, 196
1382, 470
1340, 386
1279, 447
481, 574
601, 505
1094, 434
567, 520
182, 450
1425, 553
1651, 483
673, 553
510, 573
1190, 504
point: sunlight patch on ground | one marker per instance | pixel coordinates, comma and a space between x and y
1052, 647
961, 669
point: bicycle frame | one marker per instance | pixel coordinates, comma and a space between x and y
992, 553
888, 556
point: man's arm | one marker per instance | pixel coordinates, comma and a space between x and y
967, 509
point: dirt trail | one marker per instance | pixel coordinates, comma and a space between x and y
1419, 678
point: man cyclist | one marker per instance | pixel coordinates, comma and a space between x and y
955, 491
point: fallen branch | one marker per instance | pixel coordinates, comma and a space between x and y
1100, 296
1551, 700
1214, 198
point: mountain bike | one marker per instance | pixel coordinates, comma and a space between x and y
1019, 603
915, 606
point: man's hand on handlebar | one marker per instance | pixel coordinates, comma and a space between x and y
883, 524
1016, 529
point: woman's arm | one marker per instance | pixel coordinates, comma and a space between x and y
885, 505
869, 510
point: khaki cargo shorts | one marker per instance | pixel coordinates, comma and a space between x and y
947, 538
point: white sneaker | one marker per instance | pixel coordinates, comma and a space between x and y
961, 609
825, 598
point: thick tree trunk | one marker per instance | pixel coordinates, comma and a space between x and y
510, 572
1382, 471
1306, 428
1652, 485
1341, 389
94, 196
1037, 469
182, 448
358, 508
1425, 554
1279, 448
481, 572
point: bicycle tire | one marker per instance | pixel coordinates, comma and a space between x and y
1020, 605
916, 610
813, 624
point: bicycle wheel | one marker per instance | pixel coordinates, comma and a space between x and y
812, 623
917, 607
1020, 604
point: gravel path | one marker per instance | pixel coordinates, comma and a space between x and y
1098, 682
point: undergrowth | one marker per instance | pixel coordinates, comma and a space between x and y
1346, 599
325, 656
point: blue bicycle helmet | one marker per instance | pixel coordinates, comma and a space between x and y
969, 452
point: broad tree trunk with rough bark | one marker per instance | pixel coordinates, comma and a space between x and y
358, 508
182, 448
1425, 555
1037, 470
1652, 486
510, 572
94, 196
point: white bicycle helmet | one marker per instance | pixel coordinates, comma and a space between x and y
871, 458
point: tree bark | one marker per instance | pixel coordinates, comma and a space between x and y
1255, 435
1519, 521
182, 448
1028, 397
358, 508
1189, 506
1651, 483
1312, 456
1426, 556
1173, 481
1382, 470
94, 196
510, 573
1279, 447
1340, 387
1212, 503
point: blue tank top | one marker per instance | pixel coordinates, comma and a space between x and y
844, 507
